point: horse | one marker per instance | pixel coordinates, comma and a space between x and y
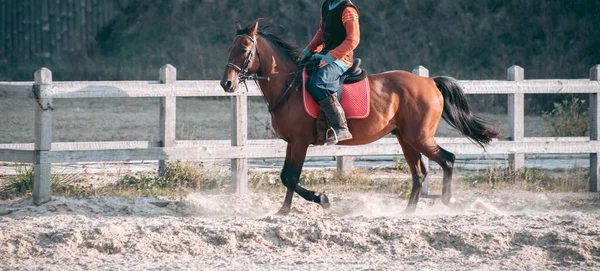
402, 103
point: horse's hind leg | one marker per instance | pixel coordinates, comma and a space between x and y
417, 171
447, 164
446, 160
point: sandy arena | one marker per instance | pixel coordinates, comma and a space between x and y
498, 231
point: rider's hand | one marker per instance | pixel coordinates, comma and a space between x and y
302, 59
305, 56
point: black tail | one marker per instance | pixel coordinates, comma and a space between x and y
457, 112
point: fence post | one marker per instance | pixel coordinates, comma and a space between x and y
345, 164
516, 116
422, 71
594, 130
168, 113
42, 90
239, 137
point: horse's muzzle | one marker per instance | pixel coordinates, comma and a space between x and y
228, 85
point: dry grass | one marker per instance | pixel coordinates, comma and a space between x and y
323, 180
21, 184
182, 178
529, 179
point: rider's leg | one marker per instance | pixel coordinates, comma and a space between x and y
323, 87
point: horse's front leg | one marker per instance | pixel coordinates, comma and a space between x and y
287, 182
290, 177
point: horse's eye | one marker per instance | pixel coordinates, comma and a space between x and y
243, 50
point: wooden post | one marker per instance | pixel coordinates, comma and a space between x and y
239, 137
168, 112
345, 164
594, 131
422, 71
43, 135
516, 116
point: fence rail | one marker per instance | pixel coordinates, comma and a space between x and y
44, 152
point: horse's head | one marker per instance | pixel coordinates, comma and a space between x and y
242, 56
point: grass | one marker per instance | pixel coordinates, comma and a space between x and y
179, 177
401, 165
21, 184
182, 178
529, 179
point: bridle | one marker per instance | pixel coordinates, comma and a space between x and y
243, 76
244, 69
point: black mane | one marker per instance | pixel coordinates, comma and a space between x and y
287, 47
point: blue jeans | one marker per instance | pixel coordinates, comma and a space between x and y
324, 82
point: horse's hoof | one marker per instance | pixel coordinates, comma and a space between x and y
324, 201
457, 206
409, 211
283, 212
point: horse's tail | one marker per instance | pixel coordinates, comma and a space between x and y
457, 112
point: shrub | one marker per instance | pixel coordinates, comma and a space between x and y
183, 174
567, 118
177, 176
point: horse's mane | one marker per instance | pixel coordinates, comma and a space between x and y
287, 47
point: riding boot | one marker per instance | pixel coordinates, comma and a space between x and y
336, 118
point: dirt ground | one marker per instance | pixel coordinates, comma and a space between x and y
497, 231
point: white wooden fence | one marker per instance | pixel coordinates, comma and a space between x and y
44, 152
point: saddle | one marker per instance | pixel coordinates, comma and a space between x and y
354, 74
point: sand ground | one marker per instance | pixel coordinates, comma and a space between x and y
498, 231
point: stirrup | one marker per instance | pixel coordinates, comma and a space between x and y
335, 137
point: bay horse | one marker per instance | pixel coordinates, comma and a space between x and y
408, 105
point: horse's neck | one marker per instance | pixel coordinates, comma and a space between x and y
280, 70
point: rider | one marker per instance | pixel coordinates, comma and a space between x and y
334, 43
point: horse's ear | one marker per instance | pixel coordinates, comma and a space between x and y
253, 30
237, 27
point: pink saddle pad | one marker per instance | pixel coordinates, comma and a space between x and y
355, 99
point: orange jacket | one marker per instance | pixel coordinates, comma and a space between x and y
341, 55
